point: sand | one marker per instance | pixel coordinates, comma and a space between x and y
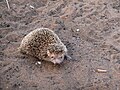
89, 28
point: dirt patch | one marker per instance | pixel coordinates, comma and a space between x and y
89, 28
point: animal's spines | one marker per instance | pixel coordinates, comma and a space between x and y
56, 48
37, 42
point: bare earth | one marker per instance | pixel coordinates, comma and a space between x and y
89, 28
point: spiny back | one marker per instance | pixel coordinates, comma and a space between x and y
37, 41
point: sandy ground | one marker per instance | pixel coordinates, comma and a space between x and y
89, 28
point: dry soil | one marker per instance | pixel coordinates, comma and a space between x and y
89, 28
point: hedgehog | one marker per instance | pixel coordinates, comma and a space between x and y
44, 44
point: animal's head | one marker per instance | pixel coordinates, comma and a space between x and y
56, 53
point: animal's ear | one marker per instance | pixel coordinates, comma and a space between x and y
48, 52
67, 57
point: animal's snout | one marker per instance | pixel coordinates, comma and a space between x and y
57, 61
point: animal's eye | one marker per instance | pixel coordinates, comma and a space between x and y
61, 57
52, 57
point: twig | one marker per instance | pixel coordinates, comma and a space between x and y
101, 70
8, 4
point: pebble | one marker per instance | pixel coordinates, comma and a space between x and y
38, 63
78, 30
32, 7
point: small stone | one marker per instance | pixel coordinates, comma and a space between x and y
32, 7
78, 30
38, 63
